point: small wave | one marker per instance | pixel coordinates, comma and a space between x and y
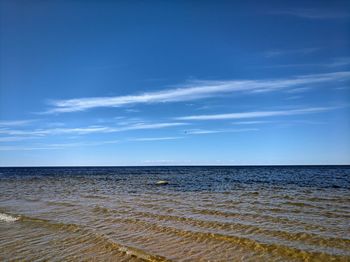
301, 204
66, 204
102, 210
8, 218
97, 238
95, 196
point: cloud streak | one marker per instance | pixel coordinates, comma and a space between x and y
302, 51
89, 129
195, 90
309, 13
256, 114
258, 122
212, 131
340, 61
333, 63
15, 138
57, 146
156, 138
9, 123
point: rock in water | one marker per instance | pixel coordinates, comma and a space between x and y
162, 182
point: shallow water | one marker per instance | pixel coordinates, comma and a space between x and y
203, 214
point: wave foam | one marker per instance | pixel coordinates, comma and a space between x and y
7, 218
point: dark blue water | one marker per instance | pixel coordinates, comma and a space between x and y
197, 178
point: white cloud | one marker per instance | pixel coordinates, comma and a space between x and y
195, 90
251, 122
256, 114
15, 138
56, 131
212, 131
298, 90
56, 146
95, 143
89, 129
5, 123
152, 126
156, 138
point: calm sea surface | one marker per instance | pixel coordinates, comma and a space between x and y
203, 214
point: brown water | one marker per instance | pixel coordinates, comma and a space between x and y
204, 214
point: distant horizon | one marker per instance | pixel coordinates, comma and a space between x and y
276, 165
110, 83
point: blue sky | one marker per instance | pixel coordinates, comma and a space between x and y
174, 82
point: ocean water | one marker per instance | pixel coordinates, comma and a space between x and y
203, 214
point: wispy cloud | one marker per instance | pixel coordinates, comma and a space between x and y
195, 90
257, 114
155, 138
258, 122
331, 63
212, 131
9, 123
15, 138
57, 131
132, 110
298, 90
293, 97
308, 122
89, 129
150, 126
59, 146
19, 148
280, 52
251, 122
56, 146
309, 13
340, 61
94, 143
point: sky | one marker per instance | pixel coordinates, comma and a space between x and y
174, 82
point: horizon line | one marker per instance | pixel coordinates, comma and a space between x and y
180, 165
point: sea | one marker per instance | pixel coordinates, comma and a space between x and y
203, 213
